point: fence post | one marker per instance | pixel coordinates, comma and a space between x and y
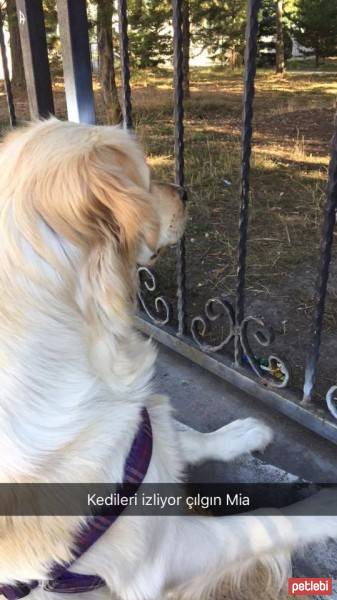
179, 154
323, 276
73, 22
246, 144
35, 57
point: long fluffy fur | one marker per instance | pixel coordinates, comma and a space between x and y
77, 211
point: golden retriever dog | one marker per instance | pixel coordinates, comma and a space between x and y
79, 212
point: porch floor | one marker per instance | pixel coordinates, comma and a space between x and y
206, 402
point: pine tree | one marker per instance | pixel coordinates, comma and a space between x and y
274, 39
315, 27
149, 33
219, 26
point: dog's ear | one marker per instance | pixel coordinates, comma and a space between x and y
91, 186
117, 214
80, 198
119, 200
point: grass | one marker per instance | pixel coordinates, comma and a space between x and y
308, 64
293, 125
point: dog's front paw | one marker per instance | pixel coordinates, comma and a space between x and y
251, 434
259, 435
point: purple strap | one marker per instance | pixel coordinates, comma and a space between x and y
63, 580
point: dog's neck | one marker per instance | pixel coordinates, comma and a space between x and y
64, 386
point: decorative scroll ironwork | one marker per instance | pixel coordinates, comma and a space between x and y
162, 312
331, 400
272, 371
215, 308
246, 333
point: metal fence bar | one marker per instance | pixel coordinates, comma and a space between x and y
35, 57
247, 130
8, 85
80, 102
125, 68
179, 154
284, 401
73, 22
323, 275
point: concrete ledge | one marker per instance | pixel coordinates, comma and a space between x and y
206, 402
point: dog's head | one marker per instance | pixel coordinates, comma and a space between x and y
91, 189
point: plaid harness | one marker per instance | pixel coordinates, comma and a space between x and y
60, 578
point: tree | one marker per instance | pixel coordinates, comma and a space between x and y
279, 37
107, 60
150, 39
274, 39
53, 39
219, 26
315, 27
186, 47
18, 75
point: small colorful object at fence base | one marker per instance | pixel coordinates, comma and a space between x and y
270, 365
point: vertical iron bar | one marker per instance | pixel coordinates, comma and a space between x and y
246, 148
8, 85
35, 57
323, 275
179, 153
73, 22
125, 69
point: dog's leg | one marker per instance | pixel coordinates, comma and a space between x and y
206, 546
226, 443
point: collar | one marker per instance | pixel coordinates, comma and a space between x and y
60, 578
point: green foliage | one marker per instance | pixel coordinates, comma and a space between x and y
315, 26
150, 33
54, 47
267, 34
219, 26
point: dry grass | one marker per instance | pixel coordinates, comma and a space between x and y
293, 127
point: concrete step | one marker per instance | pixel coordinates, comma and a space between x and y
206, 403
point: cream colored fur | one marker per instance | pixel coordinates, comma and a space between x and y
78, 210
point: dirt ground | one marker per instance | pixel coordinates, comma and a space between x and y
293, 127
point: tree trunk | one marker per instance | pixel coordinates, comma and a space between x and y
279, 37
233, 58
106, 61
138, 11
18, 75
186, 47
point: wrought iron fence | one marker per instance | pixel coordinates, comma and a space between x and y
267, 379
